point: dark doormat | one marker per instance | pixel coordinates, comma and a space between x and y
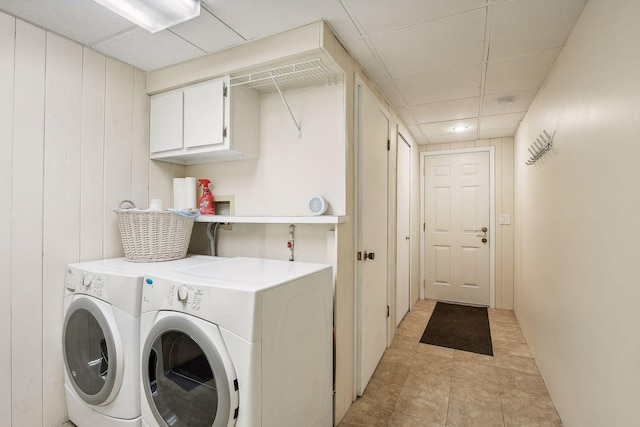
460, 327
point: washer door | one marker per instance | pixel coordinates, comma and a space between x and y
92, 350
188, 378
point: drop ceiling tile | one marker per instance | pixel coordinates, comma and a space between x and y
374, 16
362, 53
502, 121
405, 114
414, 130
254, 19
207, 32
446, 110
449, 42
446, 128
442, 85
457, 137
497, 133
525, 73
524, 27
521, 102
84, 21
391, 93
149, 51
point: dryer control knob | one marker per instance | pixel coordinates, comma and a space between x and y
86, 280
183, 293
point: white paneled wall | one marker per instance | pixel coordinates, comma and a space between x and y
26, 226
73, 135
92, 157
7, 40
61, 233
578, 228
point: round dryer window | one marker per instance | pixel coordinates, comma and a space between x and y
90, 352
186, 382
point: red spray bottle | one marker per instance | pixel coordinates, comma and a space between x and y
205, 204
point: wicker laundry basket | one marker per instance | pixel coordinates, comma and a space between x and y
153, 236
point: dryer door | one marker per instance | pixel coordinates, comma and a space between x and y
188, 378
92, 350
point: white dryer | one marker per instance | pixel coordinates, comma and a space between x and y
101, 339
245, 342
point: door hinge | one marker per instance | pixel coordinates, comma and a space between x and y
387, 311
388, 145
224, 132
224, 91
359, 256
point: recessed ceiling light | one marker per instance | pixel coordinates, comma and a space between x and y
460, 128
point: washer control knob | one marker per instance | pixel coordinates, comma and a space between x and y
86, 280
183, 293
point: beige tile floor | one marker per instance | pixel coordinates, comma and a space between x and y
420, 385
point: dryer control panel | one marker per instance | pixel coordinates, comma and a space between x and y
228, 305
188, 296
179, 297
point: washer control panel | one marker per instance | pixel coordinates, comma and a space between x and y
86, 282
94, 284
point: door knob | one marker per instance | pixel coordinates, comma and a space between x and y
369, 255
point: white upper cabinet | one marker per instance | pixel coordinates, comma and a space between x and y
205, 122
204, 114
166, 122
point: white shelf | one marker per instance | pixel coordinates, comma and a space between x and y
302, 75
321, 219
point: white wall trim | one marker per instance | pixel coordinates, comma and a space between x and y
492, 215
359, 83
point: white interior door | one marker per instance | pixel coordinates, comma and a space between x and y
403, 192
457, 217
372, 290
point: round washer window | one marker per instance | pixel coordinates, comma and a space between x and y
89, 352
186, 383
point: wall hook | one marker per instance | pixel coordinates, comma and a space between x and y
540, 147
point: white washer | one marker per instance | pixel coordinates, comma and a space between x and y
101, 339
244, 342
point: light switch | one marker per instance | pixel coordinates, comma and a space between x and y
505, 219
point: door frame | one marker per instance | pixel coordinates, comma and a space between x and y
492, 215
359, 83
403, 137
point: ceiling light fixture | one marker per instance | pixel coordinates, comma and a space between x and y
154, 15
460, 128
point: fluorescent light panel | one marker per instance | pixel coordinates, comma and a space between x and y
154, 15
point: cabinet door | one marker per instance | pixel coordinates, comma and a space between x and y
204, 114
166, 122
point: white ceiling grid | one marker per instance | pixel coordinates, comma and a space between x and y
439, 63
